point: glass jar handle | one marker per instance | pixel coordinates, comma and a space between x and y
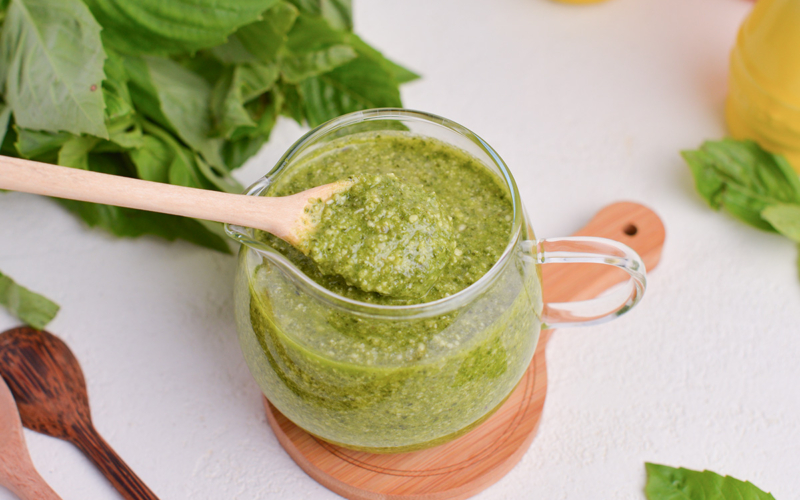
590, 250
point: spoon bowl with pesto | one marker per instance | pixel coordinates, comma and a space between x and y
373, 355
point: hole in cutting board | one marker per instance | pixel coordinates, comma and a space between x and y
630, 230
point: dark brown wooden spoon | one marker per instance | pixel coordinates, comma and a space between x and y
48, 385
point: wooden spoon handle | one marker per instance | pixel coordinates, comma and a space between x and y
27, 484
75, 184
111, 465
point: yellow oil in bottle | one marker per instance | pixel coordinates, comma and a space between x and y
764, 82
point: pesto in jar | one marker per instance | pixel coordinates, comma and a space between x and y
385, 384
381, 235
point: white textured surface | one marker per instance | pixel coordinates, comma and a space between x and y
588, 105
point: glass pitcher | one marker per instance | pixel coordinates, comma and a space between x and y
347, 372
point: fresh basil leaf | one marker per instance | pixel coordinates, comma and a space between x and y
233, 52
360, 84
152, 159
53, 60
5, 120
312, 48
309, 34
293, 105
668, 483
124, 133
238, 151
255, 79
38, 145
785, 219
261, 40
400, 74
129, 223
31, 308
183, 99
743, 178
75, 152
338, 13
227, 104
265, 110
158, 27
238, 85
221, 179
186, 168
298, 67
143, 93
115, 88
184, 172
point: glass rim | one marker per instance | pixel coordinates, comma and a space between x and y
441, 306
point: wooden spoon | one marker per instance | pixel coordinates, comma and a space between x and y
17, 472
48, 385
285, 216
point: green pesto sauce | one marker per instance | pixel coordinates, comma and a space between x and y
478, 206
389, 385
382, 235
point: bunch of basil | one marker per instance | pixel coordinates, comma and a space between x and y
177, 92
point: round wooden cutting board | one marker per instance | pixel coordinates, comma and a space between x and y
467, 465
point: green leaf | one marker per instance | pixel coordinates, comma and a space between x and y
265, 111
187, 168
143, 93
233, 52
260, 41
785, 219
293, 105
75, 152
227, 103
668, 483
31, 308
153, 159
115, 88
360, 84
338, 13
743, 178
126, 222
400, 74
41, 146
159, 27
309, 34
220, 178
203, 64
238, 85
313, 47
255, 79
53, 66
179, 100
5, 120
122, 122
298, 67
